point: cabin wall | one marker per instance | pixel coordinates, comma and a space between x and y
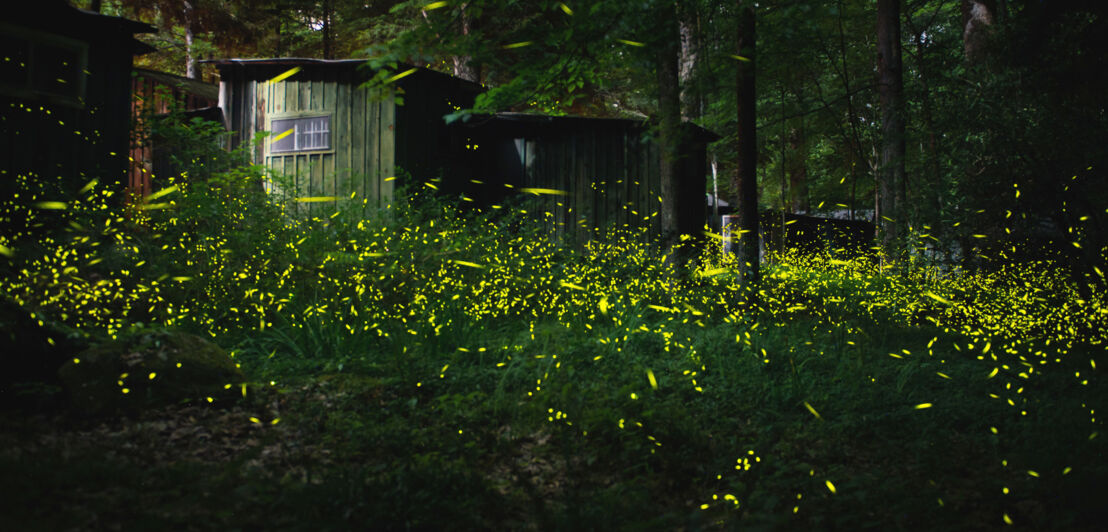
65, 144
426, 147
606, 169
606, 172
608, 175
361, 155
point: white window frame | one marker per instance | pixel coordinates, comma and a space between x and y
297, 134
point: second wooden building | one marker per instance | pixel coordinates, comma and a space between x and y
329, 136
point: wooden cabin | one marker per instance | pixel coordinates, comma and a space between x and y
153, 94
65, 95
343, 139
606, 171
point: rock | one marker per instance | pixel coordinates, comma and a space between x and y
34, 349
147, 369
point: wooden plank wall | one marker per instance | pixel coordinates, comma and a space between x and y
609, 175
362, 154
64, 146
426, 148
608, 169
150, 97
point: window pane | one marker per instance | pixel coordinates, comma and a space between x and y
288, 142
324, 128
311, 133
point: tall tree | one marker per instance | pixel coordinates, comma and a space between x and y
977, 23
188, 19
327, 17
464, 65
692, 98
746, 174
797, 168
890, 85
553, 58
855, 138
669, 118
928, 204
188, 29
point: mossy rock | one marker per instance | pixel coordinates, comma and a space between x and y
34, 349
148, 369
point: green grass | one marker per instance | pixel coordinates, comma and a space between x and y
432, 369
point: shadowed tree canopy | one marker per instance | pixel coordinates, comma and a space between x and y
994, 94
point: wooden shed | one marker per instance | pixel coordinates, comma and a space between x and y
65, 94
152, 95
588, 173
341, 139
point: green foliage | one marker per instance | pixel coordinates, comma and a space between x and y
451, 368
257, 28
195, 147
548, 57
148, 368
425, 342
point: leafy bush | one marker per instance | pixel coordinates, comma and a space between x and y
543, 377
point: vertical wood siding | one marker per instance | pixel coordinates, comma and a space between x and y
151, 97
362, 151
608, 171
67, 145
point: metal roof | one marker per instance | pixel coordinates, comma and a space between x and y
699, 132
282, 61
57, 16
341, 63
193, 86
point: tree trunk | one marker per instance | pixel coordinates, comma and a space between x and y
715, 192
977, 23
95, 6
191, 71
890, 84
746, 177
328, 31
855, 140
689, 27
781, 241
463, 64
933, 151
798, 169
279, 46
669, 117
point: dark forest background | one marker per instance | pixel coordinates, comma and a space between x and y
982, 132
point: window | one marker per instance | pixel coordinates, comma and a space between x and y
40, 65
309, 133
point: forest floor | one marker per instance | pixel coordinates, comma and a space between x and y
433, 370
350, 450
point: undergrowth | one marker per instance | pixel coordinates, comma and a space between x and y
477, 368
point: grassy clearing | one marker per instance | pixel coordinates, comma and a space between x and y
428, 368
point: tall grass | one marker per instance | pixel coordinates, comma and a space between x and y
603, 384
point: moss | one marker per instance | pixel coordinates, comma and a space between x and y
148, 369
